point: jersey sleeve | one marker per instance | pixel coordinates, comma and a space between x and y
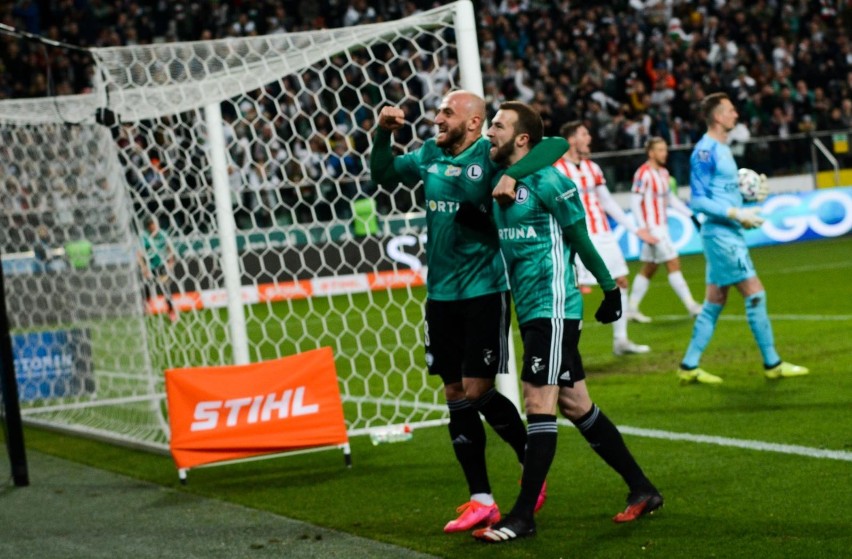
559, 195
544, 154
611, 207
389, 170
636, 210
577, 236
702, 165
639, 183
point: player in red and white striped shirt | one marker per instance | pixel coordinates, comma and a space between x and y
649, 202
599, 203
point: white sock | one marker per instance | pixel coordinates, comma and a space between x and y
619, 327
638, 291
484, 498
678, 283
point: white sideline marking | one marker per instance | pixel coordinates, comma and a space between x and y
741, 317
813, 268
740, 443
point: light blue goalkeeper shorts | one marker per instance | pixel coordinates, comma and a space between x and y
728, 260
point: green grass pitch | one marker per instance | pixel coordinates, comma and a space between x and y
721, 501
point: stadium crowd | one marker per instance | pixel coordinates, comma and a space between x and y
629, 69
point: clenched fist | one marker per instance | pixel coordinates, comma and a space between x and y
391, 118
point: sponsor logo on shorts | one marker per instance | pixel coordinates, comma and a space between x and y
565, 376
488, 356
461, 439
537, 366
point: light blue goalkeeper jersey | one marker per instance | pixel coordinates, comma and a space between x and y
714, 187
537, 258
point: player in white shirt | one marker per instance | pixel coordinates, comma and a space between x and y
599, 203
649, 202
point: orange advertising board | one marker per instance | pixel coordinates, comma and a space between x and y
231, 412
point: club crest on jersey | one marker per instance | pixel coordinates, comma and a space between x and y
474, 172
703, 155
522, 195
452, 171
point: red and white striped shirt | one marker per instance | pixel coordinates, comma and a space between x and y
653, 185
587, 175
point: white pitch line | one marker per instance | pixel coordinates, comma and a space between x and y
740, 443
741, 317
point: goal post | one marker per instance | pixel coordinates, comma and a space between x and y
251, 155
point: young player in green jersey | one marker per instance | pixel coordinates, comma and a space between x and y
156, 259
467, 307
539, 233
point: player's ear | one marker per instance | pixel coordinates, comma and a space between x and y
522, 140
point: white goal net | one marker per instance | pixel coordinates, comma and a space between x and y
251, 156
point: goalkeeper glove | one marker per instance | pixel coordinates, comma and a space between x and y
763, 189
610, 309
747, 217
472, 218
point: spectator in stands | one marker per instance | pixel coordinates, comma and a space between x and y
42, 250
570, 60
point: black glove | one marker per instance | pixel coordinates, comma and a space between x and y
695, 221
472, 218
610, 309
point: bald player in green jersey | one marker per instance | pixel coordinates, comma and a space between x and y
539, 231
467, 306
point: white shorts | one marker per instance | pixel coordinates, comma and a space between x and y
610, 252
661, 252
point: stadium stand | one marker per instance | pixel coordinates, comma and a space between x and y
630, 69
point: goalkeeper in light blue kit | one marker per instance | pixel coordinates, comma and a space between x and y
467, 305
715, 193
541, 226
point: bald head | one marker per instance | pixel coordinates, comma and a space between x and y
459, 120
470, 104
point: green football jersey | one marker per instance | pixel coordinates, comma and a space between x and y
156, 249
538, 259
462, 264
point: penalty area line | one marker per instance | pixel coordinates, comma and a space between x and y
762, 446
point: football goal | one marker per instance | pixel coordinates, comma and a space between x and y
226, 217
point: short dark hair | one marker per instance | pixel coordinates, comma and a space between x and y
652, 141
711, 103
529, 121
569, 128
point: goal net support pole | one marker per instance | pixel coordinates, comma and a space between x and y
227, 234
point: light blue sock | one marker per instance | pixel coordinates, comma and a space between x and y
705, 325
761, 328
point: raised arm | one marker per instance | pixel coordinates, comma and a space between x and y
381, 158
